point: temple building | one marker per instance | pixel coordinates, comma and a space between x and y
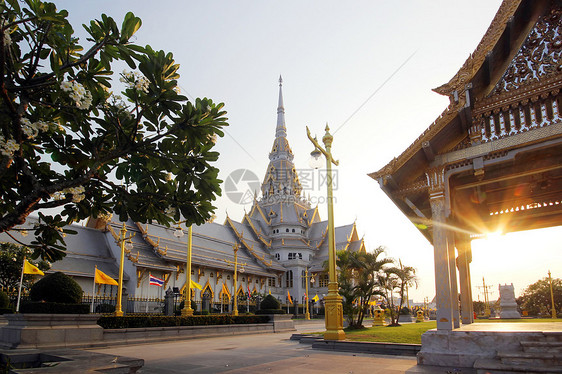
491, 162
280, 238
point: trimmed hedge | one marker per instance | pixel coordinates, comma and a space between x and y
127, 322
57, 288
270, 302
54, 308
271, 311
6, 311
4, 300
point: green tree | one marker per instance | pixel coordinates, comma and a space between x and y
536, 297
67, 142
11, 262
478, 307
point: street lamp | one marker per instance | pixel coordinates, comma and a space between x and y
128, 244
187, 311
551, 296
333, 301
235, 263
307, 298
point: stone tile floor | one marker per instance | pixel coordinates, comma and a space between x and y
265, 353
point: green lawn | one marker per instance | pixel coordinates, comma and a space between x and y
411, 332
522, 320
407, 333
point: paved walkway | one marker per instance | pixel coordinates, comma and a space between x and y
264, 353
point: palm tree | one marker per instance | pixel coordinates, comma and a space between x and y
400, 278
358, 282
370, 265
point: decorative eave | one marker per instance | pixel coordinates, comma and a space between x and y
257, 232
476, 59
250, 249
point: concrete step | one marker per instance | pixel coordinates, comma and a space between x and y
553, 336
542, 346
530, 358
495, 366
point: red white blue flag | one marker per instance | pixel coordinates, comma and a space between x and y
153, 281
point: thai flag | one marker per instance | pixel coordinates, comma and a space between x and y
153, 281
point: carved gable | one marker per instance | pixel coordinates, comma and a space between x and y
539, 57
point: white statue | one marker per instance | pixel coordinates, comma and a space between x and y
508, 305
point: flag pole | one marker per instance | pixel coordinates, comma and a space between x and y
21, 282
93, 290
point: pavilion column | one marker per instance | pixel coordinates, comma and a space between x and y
440, 249
463, 264
453, 279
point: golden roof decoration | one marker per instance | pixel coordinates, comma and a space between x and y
476, 59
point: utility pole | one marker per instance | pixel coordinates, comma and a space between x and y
485, 289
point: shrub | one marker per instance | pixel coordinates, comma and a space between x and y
270, 302
179, 308
271, 311
58, 288
125, 322
105, 308
4, 300
404, 311
54, 308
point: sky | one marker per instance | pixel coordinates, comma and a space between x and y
364, 67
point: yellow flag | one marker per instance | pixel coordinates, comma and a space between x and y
196, 285
315, 298
270, 292
289, 297
103, 278
31, 269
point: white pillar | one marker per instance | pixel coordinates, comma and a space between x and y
441, 259
453, 279
463, 263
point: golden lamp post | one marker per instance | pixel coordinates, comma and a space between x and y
187, 311
307, 298
332, 301
551, 296
236, 247
124, 242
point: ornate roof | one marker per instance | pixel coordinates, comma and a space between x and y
457, 86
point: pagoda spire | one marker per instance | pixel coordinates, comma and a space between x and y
281, 130
281, 178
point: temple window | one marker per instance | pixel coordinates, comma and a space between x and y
277, 256
289, 279
323, 280
228, 277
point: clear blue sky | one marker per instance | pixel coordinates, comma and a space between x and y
333, 56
